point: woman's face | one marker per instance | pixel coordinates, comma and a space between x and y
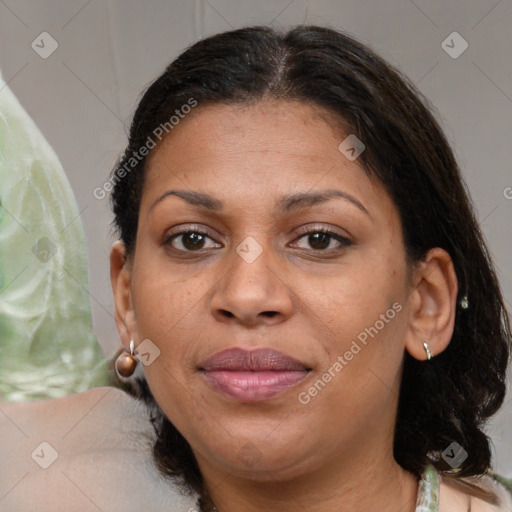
257, 273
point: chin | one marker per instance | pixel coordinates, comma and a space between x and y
252, 452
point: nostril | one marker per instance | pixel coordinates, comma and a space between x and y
228, 314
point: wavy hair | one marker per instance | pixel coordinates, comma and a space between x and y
450, 398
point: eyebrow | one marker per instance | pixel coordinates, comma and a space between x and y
286, 204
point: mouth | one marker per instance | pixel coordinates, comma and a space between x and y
253, 376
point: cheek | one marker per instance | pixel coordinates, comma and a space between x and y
168, 312
364, 311
352, 300
359, 378
163, 296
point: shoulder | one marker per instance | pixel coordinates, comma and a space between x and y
456, 498
76, 401
61, 454
106, 407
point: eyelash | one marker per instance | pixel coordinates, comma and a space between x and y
343, 241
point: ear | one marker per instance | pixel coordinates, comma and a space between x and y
432, 304
120, 278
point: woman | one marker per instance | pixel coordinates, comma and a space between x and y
302, 280
302, 266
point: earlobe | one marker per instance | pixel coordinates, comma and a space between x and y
432, 305
120, 278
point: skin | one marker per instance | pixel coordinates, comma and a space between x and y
335, 452
80, 427
99, 457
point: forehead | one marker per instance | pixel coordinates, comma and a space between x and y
270, 125
267, 148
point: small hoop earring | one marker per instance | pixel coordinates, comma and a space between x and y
126, 363
430, 354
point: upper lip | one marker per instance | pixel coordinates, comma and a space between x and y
239, 359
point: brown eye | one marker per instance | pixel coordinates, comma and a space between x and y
319, 240
324, 240
188, 241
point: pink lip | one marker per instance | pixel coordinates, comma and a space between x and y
252, 376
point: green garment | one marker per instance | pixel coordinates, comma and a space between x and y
428, 491
47, 346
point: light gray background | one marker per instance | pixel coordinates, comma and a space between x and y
83, 96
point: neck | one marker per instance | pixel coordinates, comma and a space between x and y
350, 483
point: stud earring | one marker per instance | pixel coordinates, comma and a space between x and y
464, 302
126, 363
430, 354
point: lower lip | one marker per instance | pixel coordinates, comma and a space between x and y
255, 386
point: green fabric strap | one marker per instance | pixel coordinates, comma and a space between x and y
428, 491
503, 481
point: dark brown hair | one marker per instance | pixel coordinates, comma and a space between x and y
450, 398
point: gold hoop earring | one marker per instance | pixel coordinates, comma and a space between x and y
429, 352
126, 363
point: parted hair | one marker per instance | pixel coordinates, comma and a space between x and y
443, 401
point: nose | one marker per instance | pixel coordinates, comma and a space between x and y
253, 293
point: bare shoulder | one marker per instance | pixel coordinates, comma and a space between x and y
70, 452
455, 499
106, 411
110, 396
